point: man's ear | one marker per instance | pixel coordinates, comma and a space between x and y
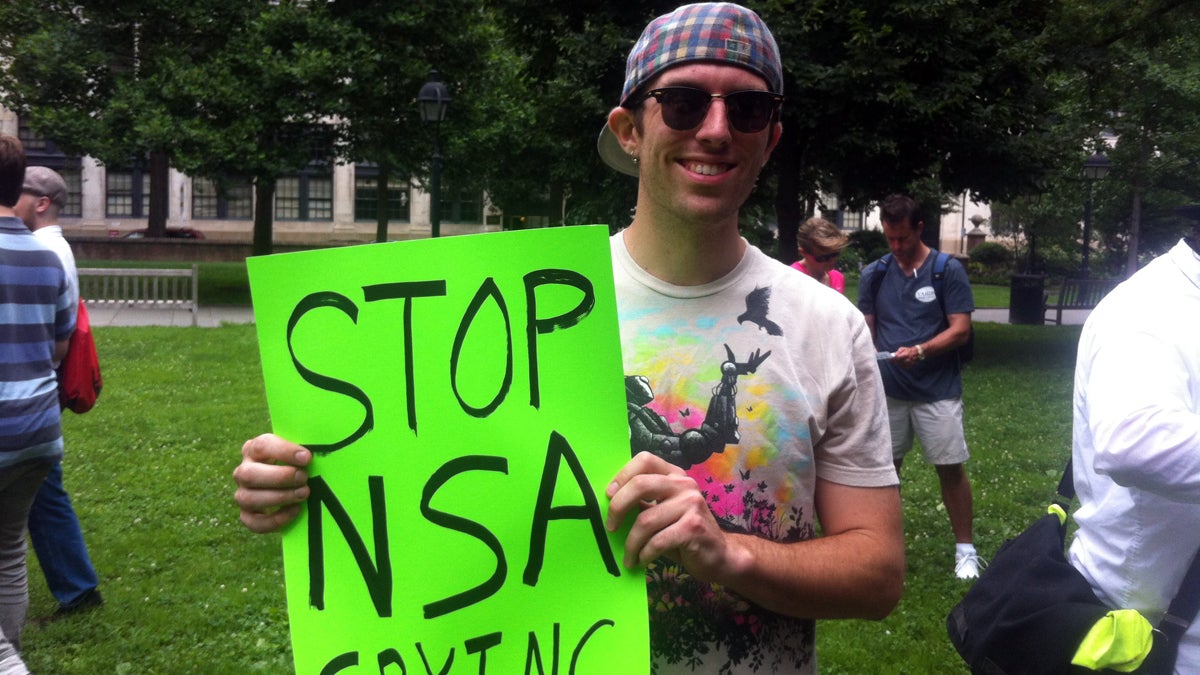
623, 123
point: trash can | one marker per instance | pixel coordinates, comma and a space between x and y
1026, 299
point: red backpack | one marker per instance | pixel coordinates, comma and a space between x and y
79, 380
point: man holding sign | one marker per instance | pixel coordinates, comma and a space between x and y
754, 403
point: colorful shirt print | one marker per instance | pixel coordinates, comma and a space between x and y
756, 384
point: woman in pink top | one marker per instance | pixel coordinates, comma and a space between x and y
819, 243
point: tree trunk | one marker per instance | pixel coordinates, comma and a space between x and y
787, 199
1135, 231
264, 214
1145, 148
557, 207
160, 193
381, 204
931, 234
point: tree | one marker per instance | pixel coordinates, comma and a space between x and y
565, 65
1126, 82
1139, 83
890, 96
266, 103
882, 96
391, 49
91, 75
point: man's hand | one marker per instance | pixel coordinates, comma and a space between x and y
906, 357
272, 483
856, 570
672, 518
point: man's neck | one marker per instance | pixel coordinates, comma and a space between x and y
7, 211
910, 265
684, 257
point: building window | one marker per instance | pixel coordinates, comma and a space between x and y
463, 205
74, 180
852, 220
307, 196
227, 199
32, 142
366, 197
127, 193
40, 151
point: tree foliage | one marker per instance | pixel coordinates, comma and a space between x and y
900, 96
998, 98
234, 87
93, 76
1126, 82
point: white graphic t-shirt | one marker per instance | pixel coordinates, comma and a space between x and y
756, 384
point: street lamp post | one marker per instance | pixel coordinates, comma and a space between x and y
1094, 168
433, 100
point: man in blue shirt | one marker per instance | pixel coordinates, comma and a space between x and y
36, 322
923, 378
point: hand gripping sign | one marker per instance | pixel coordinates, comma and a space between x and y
465, 404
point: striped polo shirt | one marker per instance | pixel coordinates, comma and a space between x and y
35, 311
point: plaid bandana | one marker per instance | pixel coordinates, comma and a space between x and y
718, 32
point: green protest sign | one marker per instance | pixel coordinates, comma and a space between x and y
464, 400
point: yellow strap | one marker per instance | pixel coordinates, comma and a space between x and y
1120, 641
1058, 511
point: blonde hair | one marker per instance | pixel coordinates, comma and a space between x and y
820, 233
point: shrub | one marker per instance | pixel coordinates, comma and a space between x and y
870, 244
991, 255
850, 260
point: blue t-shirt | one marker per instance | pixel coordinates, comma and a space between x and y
907, 313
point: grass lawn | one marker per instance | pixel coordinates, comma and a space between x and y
188, 590
985, 295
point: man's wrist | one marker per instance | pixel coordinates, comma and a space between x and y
920, 352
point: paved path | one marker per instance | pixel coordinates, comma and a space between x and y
1071, 317
207, 317
211, 317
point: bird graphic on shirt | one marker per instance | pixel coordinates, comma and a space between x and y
757, 302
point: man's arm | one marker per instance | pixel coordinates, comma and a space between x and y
1142, 414
60, 350
955, 335
856, 570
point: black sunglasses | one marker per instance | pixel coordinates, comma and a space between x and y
826, 257
684, 108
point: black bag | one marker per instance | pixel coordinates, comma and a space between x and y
1029, 610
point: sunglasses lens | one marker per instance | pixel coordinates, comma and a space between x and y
750, 111
683, 108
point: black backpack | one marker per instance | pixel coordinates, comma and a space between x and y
967, 351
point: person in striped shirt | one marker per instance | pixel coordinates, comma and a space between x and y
36, 321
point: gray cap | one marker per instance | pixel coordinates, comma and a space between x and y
44, 182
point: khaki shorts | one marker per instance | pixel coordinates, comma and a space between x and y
938, 425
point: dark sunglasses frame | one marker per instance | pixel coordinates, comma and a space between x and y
826, 257
685, 108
